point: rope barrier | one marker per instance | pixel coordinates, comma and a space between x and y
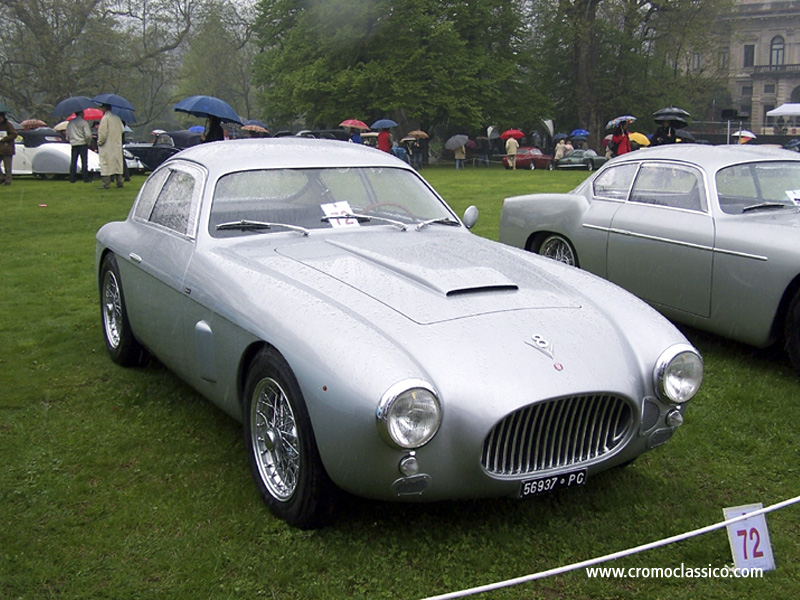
608, 557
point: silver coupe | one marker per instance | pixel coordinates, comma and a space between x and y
706, 234
326, 296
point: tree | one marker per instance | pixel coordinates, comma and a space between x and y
421, 61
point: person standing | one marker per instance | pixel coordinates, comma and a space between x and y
385, 140
461, 156
213, 131
512, 145
620, 139
79, 135
483, 151
355, 136
9, 134
665, 134
109, 144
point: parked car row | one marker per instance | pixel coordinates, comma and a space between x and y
44, 153
531, 157
326, 296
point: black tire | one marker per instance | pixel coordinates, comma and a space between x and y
533, 166
590, 166
550, 166
791, 332
120, 342
558, 248
281, 448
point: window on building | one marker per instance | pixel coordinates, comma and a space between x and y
749, 55
776, 51
769, 88
768, 121
724, 58
696, 62
747, 91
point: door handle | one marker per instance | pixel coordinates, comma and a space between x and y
135, 258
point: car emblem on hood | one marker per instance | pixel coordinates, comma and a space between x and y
546, 347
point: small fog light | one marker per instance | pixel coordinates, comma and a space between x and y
409, 465
674, 418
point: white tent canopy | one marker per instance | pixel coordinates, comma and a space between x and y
785, 110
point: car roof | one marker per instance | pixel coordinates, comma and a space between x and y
285, 152
706, 156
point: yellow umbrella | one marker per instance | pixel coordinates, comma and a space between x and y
639, 138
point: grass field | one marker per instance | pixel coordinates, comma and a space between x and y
125, 484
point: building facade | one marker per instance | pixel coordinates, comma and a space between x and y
763, 59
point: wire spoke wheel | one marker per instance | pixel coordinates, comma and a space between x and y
558, 248
275, 439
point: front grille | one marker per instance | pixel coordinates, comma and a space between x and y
557, 433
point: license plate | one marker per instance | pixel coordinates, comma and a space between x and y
543, 485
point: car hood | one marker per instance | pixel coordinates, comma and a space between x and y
426, 276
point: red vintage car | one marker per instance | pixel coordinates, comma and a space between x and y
530, 157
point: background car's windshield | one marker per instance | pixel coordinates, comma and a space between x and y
747, 185
302, 197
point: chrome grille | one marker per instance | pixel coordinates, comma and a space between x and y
557, 433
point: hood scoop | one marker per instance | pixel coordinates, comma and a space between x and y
427, 281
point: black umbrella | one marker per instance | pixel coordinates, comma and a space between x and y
71, 105
684, 135
672, 113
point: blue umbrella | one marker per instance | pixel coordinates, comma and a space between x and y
124, 114
71, 105
197, 129
383, 124
208, 106
113, 100
579, 133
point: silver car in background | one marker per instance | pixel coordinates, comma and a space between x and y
709, 235
323, 294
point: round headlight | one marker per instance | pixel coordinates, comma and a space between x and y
679, 373
409, 414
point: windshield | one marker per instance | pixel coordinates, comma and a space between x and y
313, 198
759, 186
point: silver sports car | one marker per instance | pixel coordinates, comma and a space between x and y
707, 235
325, 295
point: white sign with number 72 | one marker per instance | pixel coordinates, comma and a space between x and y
749, 539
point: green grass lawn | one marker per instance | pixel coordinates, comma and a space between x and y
119, 483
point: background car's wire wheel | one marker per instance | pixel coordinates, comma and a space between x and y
590, 166
280, 443
558, 248
791, 332
120, 342
550, 166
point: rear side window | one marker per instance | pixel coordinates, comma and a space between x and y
171, 197
615, 183
673, 186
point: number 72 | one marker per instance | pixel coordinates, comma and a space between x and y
752, 535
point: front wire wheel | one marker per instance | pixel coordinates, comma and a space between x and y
281, 447
558, 248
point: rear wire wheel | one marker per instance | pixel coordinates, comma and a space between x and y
558, 248
281, 448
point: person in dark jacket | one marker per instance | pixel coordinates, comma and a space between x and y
7, 136
665, 134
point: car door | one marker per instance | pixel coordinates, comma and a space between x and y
167, 208
661, 240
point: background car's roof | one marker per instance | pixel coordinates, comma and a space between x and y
285, 152
709, 157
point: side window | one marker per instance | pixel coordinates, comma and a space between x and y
673, 186
176, 204
615, 183
149, 193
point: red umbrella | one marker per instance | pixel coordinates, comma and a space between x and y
354, 124
90, 114
32, 124
515, 133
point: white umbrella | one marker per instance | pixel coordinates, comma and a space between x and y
744, 133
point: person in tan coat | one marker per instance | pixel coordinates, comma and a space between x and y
7, 136
109, 146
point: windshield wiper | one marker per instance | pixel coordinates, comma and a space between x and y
365, 219
764, 205
247, 225
437, 221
